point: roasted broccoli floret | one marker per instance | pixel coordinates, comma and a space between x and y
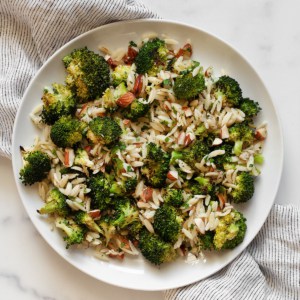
207, 240
130, 185
201, 132
230, 91
136, 110
173, 197
192, 154
111, 95
120, 90
66, 132
222, 160
83, 218
218, 191
74, 232
188, 86
156, 166
88, 74
250, 108
196, 152
134, 229
126, 213
155, 249
175, 155
245, 188
152, 55
117, 147
108, 100
55, 204
120, 74
36, 168
82, 158
201, 186
126, 186
258, 159
100, 191
241, 134
107, 227
231, 231
104, 130
60, 102
167, 223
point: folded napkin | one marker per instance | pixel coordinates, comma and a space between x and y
32, 30
268, 269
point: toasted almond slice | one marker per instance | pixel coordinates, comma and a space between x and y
172, 175
187, 140
147, 194
208, 72
126, 99
126, 122
69, 157
261, 134
95, 214
181, 138
186, 51
222, 199
138, 85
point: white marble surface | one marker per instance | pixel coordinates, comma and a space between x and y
268, 34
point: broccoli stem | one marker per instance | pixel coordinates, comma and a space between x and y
258, 159
237, 149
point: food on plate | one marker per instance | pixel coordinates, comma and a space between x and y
36, 167
146, 152
88, 74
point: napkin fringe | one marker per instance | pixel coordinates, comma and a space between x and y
268, 269
32, 30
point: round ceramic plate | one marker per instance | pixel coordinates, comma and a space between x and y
137, 273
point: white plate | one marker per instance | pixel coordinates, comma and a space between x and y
136, 273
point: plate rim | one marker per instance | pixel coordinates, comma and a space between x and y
15, 153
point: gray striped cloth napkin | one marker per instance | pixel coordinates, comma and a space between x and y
268, 269
32, 30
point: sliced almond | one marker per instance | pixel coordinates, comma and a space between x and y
125, 100
208, 72
115, 255
172, 175
126, 122
83, 110
112, 62
69, 157
181, 138
130, 55
261, 134
147, 194
186, 51
138, 85
222, 200
95, 214
188, 112
187, 140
